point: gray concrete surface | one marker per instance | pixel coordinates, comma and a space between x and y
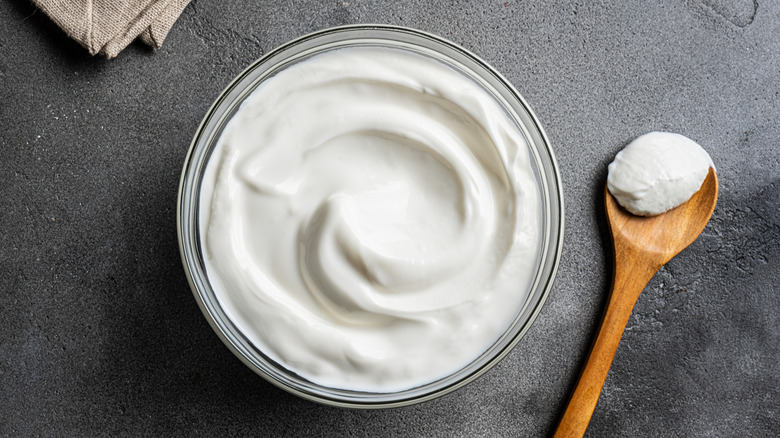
100, 336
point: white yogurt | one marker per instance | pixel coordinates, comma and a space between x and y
370, 219
657, 172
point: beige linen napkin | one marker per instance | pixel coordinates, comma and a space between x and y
108, 26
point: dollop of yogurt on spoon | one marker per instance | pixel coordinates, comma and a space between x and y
657, 172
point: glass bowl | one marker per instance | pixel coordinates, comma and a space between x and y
207, 135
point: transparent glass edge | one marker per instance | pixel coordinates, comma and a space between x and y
549, 266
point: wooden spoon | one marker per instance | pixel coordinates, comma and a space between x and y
642, 246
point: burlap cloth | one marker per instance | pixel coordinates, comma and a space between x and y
108, 26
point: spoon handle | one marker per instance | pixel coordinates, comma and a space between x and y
630, 277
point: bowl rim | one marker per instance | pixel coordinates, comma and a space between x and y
550, 184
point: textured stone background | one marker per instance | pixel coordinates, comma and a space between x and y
100, 336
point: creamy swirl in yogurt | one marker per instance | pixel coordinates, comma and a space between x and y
370, 219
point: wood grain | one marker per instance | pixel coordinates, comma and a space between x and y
641, 246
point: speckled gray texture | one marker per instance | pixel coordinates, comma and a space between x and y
99, 333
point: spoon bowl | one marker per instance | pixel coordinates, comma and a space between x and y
663, 236
642, 245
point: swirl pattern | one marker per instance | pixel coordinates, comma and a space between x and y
370, 219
